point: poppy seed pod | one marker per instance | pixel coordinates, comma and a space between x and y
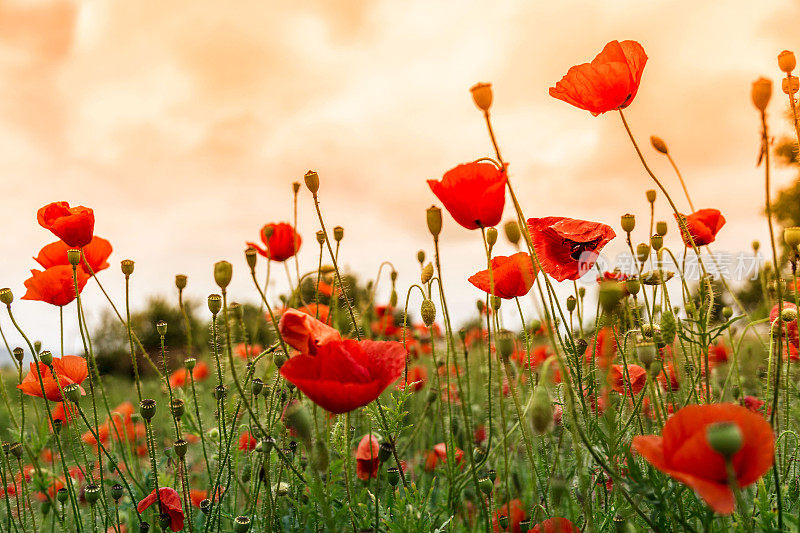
57, 425
321, 237
646, 352
73, 392
18, 353
486, 485
657, 242
659, 144
790, 84
504, 342
491, 237
190, 363
421, 256
724, 438
256, 386
787, 61
651, 195
6, 296
214, 303
15, 449
503, 521
756, 245
632, 286
628, 222
205, 506
74, 257
116, 491
127, 267
296, 418
512, 232
609, 295
251, 256
176, 407
761, 93
147, 408
384, 451
789, 314
642, 252
427, 273
180, 446
791, 236
46, 357
428, 312
338, 233
241, 524
482, 95
572, 303
92, 493
661, 228
496, 301
312, 181
180, 281
279, 358
223, 272
434, 218
161, 327
393, 476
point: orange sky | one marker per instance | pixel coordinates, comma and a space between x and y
184, 122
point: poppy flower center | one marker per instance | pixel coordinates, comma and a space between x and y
577, 248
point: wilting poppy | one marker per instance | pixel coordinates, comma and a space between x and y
346, 374
555, 525
367, 462
513, 276
703, 226
303, 332
415, 380
246, 442
96, 254
473, 193
617, 378
683, 452
609, 82
73, 225
568, 248
55, 285
515, 512
282, 244
68, 369
170, 505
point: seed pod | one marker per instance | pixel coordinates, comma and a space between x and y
256, 386
393, 475
661, 228
572, 303
338, 233
223, 272
241, 524
651, 195
504, 342
127, 267
214, 303
6, 296
312, 181
296, 418
92, 493
320, 456
46, 357
116, 491
180, 447
482, 95
176, 407
787, 61
427, 273
761, 93
147, 408
724, 438
180, 281
491, 237
642, 252
73, 392
542, 410
628, 222
161, 327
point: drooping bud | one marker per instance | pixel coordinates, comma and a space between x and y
421, 256
787, 61
223, 272
127, 267
724, 438
482, 95
312, 181
428, 312
761, 93
628, 222
651, 195
214, 303
659, 144
393, 298
434, 218
512, 232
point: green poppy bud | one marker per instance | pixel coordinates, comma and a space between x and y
428, 312
724, 438
434, 218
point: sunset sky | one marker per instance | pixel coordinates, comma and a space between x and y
183, 123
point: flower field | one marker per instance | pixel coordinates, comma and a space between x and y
646, 399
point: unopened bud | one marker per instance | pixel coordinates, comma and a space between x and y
434, 217
512, 232
296, 418
659, 144
482, 95
223, 272
491, 237
428, 312
761, 93
427, 273
724, 438
312, 181
421, 256
572, 303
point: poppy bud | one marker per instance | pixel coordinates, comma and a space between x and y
176, 407
642, 252
480, 305
724, 438
427, 273
727, 312
609, 295
756, 245
320, 456
657, 242
46, 357
127, 267
73, 392
296, 418
511, 229
161, 327
482, 95
786, 61
6, 296
223, 272
338, 233
628, 222
180, 281
321, 237
661, 228
180, 447
214, 303
790, 85
632, 286
542, 410
116, 491
486, 485
646, 352
659, 144
504, 342
572, 303
428, 312
312, 181
651, 195
393, 475
434, 217
147, 408
761, 93
241, 524
92, 493
421, 256
491, 237
581, 292
257, 386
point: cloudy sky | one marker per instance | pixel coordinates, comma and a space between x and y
183, 123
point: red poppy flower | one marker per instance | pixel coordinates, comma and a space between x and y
68, 369
609, 82
605, 348
753, 404
200, 371
618, 381
170, 505
515, 512
512, 276
197, 495
790, 329
703, 226
441, 453
178, 378
567, 248
718, 353
246, 442
242, 350
96, 254
303, 332
416, 379
73, 225
281, 245
346, 374
320, 312
683, 451
555, 525
54, 285
473, 193
367, 462
669, 369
